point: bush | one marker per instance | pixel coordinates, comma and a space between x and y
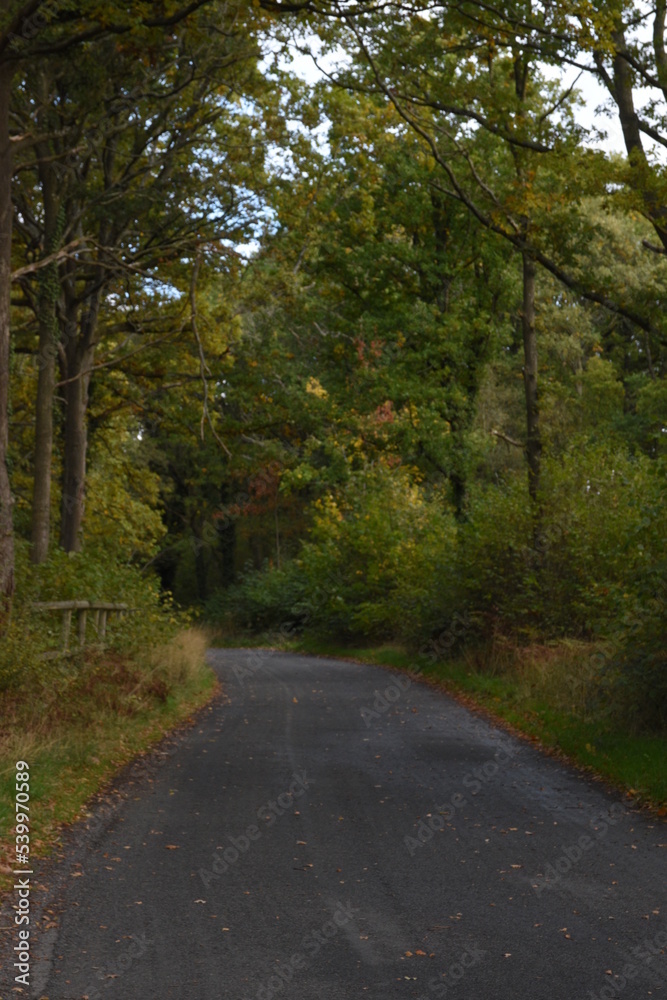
380, 558
635, 681
386, 561
601, 539
79, 576
263, 599
376, 564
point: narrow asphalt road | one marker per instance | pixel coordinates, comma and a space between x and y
330, 830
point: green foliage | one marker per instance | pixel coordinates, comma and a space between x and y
385, 559
80, 576
342, 409
384, 549
651, 410
636, 679
374, 564
263, 599
600, 539
123, 508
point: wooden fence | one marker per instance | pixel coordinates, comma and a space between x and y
100, 612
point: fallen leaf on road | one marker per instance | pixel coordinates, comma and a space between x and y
172, 847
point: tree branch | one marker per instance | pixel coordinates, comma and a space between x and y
64, 252
15, 27
116, 361
508, 439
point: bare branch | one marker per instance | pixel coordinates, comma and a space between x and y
654, 248
64, 252
508, 439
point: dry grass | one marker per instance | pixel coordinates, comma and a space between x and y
566, 672
180, 660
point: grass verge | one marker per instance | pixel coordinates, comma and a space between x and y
90, 718
546, 692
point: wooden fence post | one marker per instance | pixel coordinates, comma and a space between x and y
100, 610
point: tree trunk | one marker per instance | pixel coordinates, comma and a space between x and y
75, 446
41, 496
48, 337
6, 499
80, 353
533, 438
226, 528
621, 88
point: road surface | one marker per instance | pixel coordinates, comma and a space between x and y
331, 830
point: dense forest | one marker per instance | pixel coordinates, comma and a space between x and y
358, 350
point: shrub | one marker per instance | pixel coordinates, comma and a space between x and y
375, 564
79, 576
381, 556
601, 538
263, 599
635, 680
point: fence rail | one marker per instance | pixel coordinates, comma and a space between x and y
100, 612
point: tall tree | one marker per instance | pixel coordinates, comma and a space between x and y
457, 72
6, 500
29, 31
110, 139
